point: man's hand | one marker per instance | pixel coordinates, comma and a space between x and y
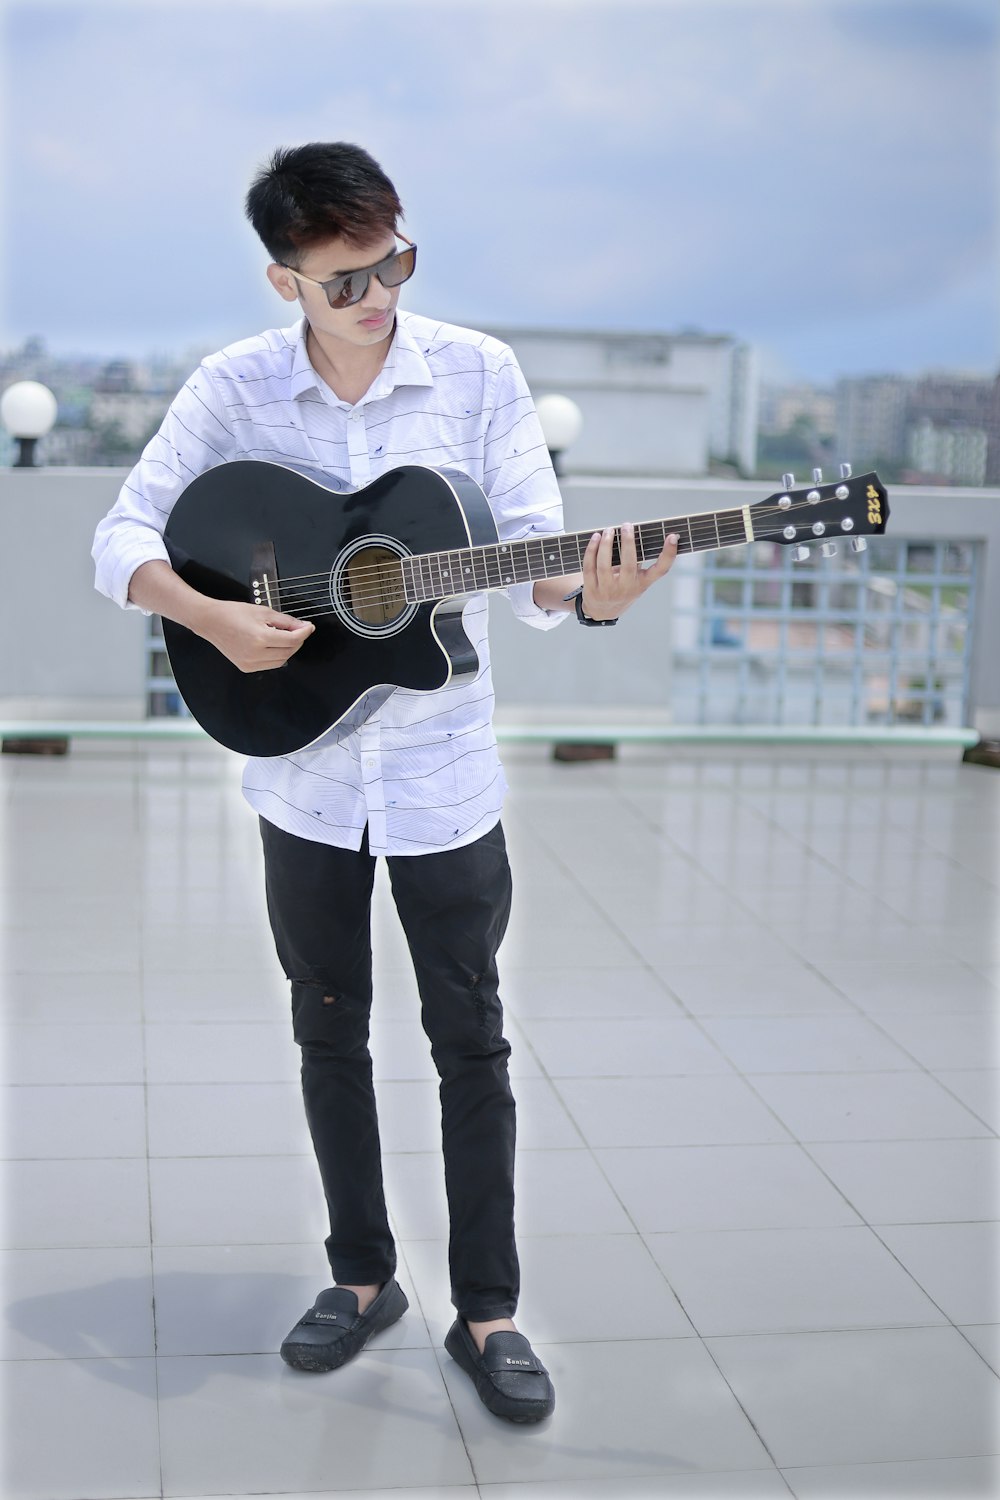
253, 638
608, 588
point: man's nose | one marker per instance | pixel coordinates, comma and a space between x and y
376, 295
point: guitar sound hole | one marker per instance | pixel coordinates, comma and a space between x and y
373, 586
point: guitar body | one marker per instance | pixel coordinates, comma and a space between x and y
248, 520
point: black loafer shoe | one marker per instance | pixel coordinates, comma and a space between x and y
510, 1379
333, 1331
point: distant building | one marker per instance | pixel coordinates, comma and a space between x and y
782, 406
652, 403
135, 415
951, 454
964, 405
945, 426
871, 419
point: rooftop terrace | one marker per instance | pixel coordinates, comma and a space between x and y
751, 995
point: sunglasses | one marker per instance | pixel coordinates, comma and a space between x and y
350, 286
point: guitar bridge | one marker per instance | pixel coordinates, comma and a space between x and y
264, 575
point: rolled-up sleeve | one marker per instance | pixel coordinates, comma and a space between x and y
519, 481
193, 437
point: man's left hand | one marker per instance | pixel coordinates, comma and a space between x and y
611, 588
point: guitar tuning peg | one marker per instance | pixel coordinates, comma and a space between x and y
800, 554
845, 471
858, 544
787, 481
817, 476
829, 549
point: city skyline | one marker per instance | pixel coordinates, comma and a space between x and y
813, 178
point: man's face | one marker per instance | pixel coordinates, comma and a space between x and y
363, 323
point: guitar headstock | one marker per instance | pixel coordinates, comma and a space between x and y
852, 508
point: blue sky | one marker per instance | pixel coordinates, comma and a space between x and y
816, 176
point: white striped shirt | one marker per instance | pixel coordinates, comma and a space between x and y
422, 772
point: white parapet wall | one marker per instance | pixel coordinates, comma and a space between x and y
70, 654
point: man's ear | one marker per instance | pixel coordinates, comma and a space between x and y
283, 282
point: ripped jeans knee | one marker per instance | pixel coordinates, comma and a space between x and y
327, 1019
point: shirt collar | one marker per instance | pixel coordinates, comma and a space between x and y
405, 363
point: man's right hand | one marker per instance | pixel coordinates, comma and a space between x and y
252, 637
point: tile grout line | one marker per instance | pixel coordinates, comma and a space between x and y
401, 1244
142, 921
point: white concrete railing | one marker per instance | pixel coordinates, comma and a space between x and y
73, 659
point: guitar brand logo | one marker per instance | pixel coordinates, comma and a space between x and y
874, 506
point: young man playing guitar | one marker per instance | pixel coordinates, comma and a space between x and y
353, 389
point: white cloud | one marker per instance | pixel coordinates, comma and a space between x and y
774, 166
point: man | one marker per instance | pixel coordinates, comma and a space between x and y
355, 388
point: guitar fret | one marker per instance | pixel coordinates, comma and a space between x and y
736, 533
552, 553
576, 544
516, 561
533, 556
466, 566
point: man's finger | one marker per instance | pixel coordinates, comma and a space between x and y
605, 550
666, 558
626, 548
589, 564
279, 621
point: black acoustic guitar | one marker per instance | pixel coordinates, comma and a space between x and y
383, 573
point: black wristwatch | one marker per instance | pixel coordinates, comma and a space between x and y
577, 598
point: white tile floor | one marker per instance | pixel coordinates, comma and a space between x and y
752, 998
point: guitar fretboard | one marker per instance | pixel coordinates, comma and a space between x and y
440, 575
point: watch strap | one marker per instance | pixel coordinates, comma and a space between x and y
577, 598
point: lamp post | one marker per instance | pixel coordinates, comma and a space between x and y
562, 423
28, 411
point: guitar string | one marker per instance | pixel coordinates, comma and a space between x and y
302, 608
390, 574
651, 528
375, 591
392, 594
371, 587
373, 583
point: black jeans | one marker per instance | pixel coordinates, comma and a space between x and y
454, 908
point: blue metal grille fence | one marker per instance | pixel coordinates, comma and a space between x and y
878, 637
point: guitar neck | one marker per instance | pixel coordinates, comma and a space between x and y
441, 575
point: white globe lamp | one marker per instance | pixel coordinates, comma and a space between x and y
28, 411
562, 423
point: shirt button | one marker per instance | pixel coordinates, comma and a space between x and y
370, 764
